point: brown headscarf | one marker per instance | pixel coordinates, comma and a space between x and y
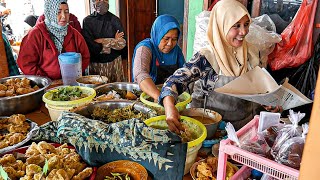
219, 53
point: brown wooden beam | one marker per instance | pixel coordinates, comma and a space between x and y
256, 7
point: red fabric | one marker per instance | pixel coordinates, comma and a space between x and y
39, 56
73, 21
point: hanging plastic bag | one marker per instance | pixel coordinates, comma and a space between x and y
296, 46
287, 132
262, 34
290, 153
200, 37
305, 78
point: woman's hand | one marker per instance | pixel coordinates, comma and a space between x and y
276, 109
172, 115
119, 35
100, 40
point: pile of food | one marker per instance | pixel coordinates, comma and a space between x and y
206, 169
68, 93
16, 86
118, 176
60, 163
108, 115
119, 94
13, 130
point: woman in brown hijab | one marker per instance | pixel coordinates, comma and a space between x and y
227, 57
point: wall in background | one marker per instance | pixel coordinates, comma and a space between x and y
195, 7
174, 8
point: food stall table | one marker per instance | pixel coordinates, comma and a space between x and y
41, 116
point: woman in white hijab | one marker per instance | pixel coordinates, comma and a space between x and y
227, 57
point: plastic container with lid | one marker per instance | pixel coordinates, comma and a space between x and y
70, 67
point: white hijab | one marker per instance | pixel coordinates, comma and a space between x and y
219, 53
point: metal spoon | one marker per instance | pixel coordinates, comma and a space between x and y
204, 107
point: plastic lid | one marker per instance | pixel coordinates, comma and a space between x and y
69, 58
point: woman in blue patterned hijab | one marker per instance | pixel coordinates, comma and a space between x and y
156, 58
56, 20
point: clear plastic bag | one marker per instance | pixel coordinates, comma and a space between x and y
290, 153
255, 144
287, 132
200, 37
262, 35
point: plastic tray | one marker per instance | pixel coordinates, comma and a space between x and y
249, 159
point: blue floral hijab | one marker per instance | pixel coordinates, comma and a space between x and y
57, 32
160, 27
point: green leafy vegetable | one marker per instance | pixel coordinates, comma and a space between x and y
3, 173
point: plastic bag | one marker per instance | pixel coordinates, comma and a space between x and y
262, 34
255, 144
305, 78
290, 153
287, 132
200, 37
296, 45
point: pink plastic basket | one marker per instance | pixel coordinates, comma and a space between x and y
249, 159
242, 174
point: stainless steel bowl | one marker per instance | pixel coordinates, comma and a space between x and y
210, 120
117, 85
88, 110
92, 81
104, 89
23, 104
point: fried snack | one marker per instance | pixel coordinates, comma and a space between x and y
29, 178
33, 169
4, 144
17, 119
83, 174
18, 165
17, 86
70, 172
16, 138
9, 93
72, 161
46, 148
58, 174
130, 96
32, 150
12, 173
37, 159
62, 163
55, 162
38, 176
204, 169
3, 87
213, 163
7, 158
2, 93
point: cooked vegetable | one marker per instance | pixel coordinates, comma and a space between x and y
68, 94
117, 115
118, 176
